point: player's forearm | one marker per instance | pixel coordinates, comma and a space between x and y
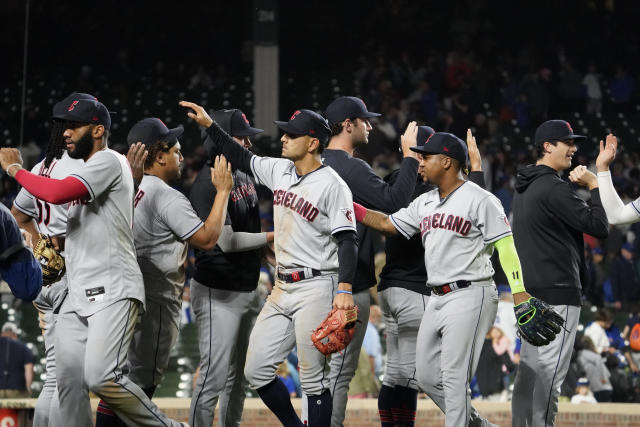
617, 212
219, 141
25, 221
207, 237
375, 220
510, 263
238, 241
347, 258
28, 375
50, 190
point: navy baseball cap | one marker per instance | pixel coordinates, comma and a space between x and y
424, 133
348, 107
59, 107
306, 122
556, 130
151, 130
446, 144
83, 110
235, 123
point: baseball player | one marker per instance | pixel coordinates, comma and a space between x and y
39, 216
459, 224
223, 289
617, 212
164, 223
315, 247
349, 120
96, 320
549, 220
403, 298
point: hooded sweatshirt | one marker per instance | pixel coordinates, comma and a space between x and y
548, 222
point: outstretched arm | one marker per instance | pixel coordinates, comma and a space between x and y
510, 263
219, 141
376, 220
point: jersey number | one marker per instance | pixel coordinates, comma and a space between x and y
44, 212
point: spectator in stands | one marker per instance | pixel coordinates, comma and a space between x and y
495, 362
622, 87
283, 373
595, 370
583, 393
597, 330
631, 332
624, 280
505, 317
371, 342
16, 364
591, 81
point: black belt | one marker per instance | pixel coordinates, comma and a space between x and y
445, 289
296, 276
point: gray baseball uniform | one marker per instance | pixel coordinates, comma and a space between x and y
307, 211
51, 221
97, 319
457, 234
163, 221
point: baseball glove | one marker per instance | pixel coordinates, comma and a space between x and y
336, 331
51, 262
537, 322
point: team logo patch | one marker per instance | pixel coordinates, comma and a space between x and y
72, 106
245, 118
348, 213
293, 116
505, 219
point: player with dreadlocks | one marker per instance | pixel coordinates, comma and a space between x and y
39, 217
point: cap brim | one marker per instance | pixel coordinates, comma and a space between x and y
420, 149
175, 133
287, 128
248, 132
369, 115
577, 137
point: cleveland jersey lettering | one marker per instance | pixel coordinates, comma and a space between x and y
298, 205
464, 224
445, 221
307, 211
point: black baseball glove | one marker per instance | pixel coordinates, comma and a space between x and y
537, 322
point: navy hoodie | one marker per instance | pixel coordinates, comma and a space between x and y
548, 222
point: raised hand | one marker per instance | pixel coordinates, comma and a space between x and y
607, 153
136, 157
221, 177
409, 139
474, 153
198, 113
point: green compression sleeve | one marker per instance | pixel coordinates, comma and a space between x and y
510, 263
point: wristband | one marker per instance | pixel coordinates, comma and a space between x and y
10, 166
360, 211
340, 291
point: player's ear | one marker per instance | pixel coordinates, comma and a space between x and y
97, 131
161, 158
314, 144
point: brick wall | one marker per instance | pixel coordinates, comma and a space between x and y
364, 413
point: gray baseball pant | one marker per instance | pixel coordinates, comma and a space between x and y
403, 311
225, 320
47, 409
344, 364
91, 353
541, 373
450, 340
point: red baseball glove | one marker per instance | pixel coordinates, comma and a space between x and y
336, 331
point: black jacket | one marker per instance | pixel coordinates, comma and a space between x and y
373, 193
548, 222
